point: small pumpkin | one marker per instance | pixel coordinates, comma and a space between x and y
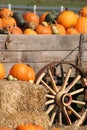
15, 30
72, 31
61, 29
0, 23
22, 72
83, 11
41, 29
39, 127
25, 127
31, 17
29, 31
10, 22
42, 17
81, 25
67, 18
18, 16
5, 13
50, 17
4, 128
2, 71
30, 25
31, 74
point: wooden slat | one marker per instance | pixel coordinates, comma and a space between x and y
40, 42
36, 56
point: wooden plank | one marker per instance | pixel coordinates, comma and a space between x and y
36, 56
40, 42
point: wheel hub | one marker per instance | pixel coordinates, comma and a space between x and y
63, 99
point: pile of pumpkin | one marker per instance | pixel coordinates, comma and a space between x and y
65, 22
18, 71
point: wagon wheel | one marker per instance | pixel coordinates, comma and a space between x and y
65, 92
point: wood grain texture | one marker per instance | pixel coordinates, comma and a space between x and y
39, 50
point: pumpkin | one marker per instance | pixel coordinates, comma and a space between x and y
83, 11
4, 128
5, 13
10, 22
14, 30
25, 127
29, 31
31, 17
2, 71
61, 29
0, 23
30, 25
18, 16
41, 29
22, 72
72, 31
42, 17
31, 74
38, 127
50, 17
67, 18
81, 25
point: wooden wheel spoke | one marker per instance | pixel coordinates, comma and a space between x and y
52, 80
78, 102
53, 116
72, 83
49, 102
51, 90
50, 108
74, 112
50, 96
40, 78
66, 116
66, 79
77, 91
60, 116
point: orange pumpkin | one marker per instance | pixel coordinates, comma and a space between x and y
31, 74
81, 25
61, 29
4, 128
38, 127
67, 18
2, 71
22, 72
72, 31
19, 71
15, 30
31, 17
29, 31
83, 11
42, 17
10, 22
41, 29
25, 127
5, 13
0, 23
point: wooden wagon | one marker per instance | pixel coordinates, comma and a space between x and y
46, 53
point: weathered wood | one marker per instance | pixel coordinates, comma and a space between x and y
39, 50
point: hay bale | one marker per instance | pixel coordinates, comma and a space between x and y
14, 119
22, 102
